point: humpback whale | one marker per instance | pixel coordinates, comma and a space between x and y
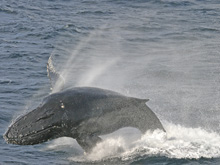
83, 113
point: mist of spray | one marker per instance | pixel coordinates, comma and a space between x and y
88, 61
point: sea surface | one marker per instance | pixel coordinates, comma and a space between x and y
164, 50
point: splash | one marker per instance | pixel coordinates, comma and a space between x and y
91, 60
178, 142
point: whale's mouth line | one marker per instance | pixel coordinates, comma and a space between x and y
23, 138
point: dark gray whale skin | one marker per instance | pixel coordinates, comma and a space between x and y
82, 113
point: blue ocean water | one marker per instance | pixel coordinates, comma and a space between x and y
164, 50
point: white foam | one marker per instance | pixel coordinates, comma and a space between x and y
178, 142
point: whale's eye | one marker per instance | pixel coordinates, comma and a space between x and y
62, 106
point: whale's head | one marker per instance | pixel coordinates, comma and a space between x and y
46, 122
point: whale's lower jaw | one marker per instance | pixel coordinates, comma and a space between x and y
34, 137
23, 140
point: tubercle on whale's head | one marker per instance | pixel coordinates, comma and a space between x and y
42, 124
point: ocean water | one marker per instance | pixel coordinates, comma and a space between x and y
164, 50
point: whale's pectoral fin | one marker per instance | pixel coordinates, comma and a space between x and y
53, 75
87, 142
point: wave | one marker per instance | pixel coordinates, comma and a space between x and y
128, 144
